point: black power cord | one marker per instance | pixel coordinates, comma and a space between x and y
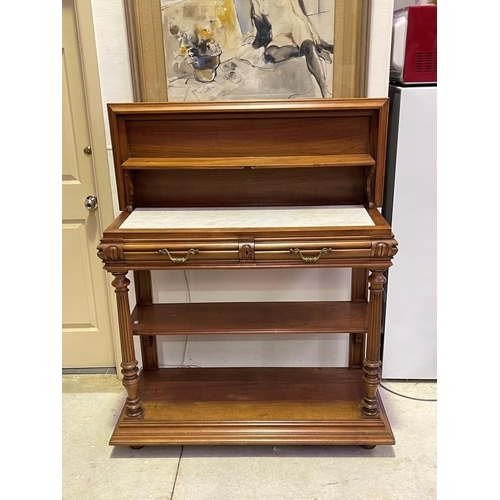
405, 396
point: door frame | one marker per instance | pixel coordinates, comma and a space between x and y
91, 81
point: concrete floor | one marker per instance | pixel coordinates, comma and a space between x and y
93, 470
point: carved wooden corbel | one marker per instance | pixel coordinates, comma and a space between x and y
129, 190
384, 248
110, 251
370, 179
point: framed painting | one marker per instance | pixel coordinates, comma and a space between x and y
214, 50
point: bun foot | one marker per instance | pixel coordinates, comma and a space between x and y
137, 447
368, 446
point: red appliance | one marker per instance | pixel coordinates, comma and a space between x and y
414, 45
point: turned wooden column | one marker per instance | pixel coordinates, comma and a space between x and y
133, 406
372, 363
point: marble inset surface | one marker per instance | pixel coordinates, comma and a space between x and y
254, 217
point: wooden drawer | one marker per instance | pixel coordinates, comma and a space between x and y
182, 252
310, 251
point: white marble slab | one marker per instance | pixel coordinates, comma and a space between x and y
252, 217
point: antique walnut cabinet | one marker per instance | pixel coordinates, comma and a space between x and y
250, 185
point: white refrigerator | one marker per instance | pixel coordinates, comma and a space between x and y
409, 334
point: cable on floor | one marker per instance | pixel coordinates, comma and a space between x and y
405, 396
188, 289
176, 473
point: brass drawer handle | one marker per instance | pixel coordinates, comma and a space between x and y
178, 260
313, 258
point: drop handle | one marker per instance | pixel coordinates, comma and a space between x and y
178, 260
91, 203
310, 258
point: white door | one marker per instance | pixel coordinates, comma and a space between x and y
86, 323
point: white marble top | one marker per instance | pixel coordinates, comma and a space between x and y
251, 217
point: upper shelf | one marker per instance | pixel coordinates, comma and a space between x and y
250, 154
250, 161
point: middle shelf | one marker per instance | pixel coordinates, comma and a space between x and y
231, 162
218, 318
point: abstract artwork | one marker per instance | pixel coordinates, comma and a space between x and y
248, 49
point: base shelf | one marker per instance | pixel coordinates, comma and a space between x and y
252, 406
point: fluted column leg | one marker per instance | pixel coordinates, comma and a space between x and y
372, 363
133, 406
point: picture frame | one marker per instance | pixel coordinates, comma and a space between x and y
148, 54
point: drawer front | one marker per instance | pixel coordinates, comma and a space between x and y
181, 252
311, 251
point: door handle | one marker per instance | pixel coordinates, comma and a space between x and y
91, 203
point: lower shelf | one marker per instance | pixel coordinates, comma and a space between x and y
252, 406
